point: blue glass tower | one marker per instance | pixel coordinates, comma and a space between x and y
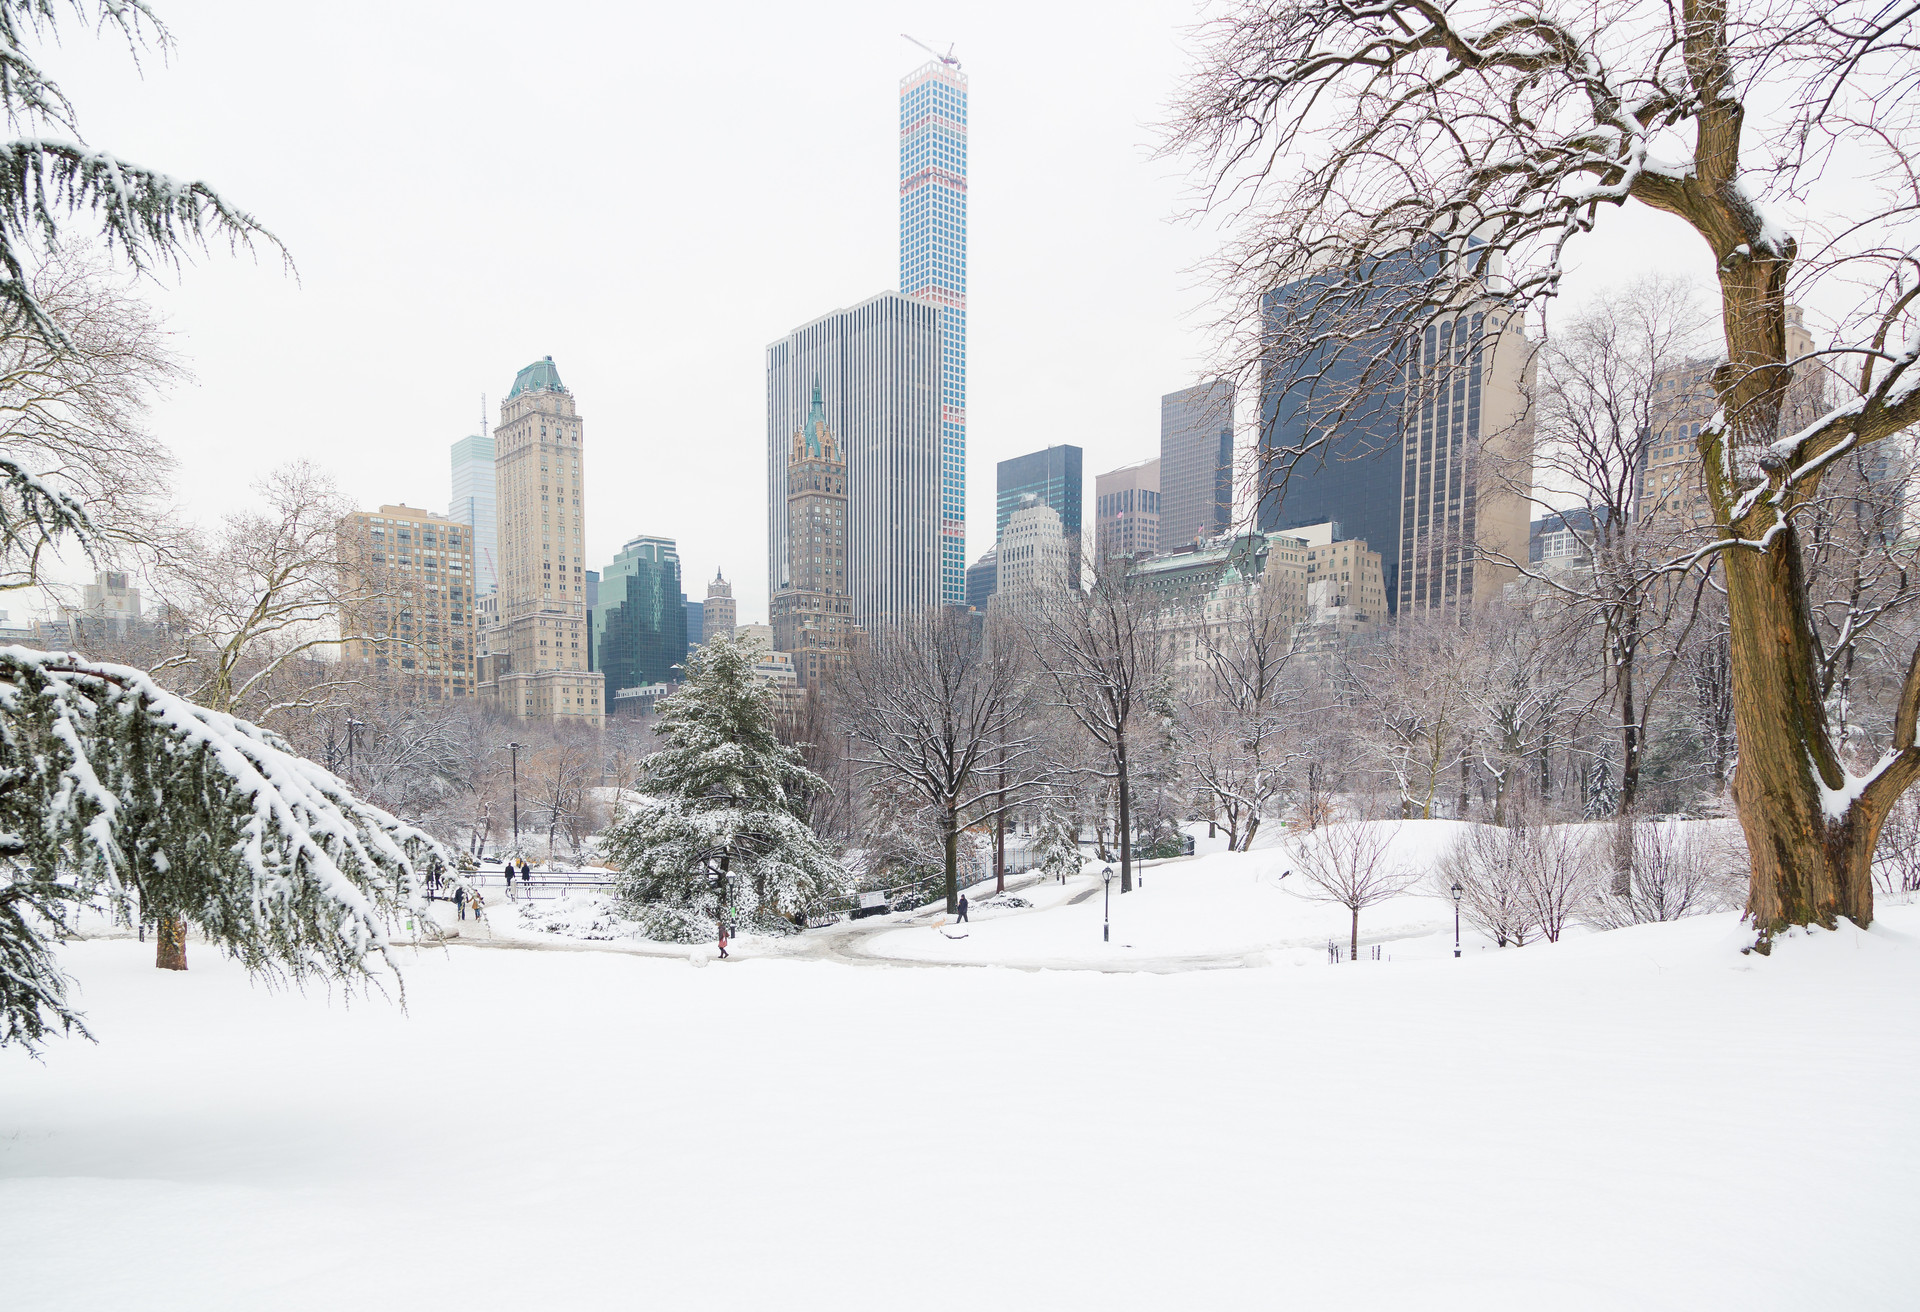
933, 267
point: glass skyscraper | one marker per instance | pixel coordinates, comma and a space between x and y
640, 619
933, 267
473, 505
1054, 476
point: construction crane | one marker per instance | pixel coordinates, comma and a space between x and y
946, 59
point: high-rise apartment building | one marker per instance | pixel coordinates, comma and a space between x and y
1126, 511
1196, 464
539, 666
410, 574
640, 618
718, 616
877, 367
696, 622
474, 505
812, 617
933, 268
1411, 440
1053, 476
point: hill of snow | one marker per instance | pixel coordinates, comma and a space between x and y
1643, 1119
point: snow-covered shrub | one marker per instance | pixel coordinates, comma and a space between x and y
1676, 869
579, 915
666, 924
1518, 882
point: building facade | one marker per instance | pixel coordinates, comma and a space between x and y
1053, 476
1196, 464
696, 624
410, 575
538, 666
877, 367
812, 615
1416, 442
983, 578
1034, 564
933, 268
640, 621
475, 505
1126, 511
718, 617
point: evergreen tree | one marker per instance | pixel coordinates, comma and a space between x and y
722, 826
115, 792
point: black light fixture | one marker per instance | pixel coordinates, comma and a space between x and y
1106, 905
1456, 890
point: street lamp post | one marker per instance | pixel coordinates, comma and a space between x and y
849, 785
1456, 891
514, 748
1106, 905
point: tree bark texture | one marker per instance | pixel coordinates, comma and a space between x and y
170, 943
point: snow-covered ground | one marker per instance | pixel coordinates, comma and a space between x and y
1643, 1119
1229, 908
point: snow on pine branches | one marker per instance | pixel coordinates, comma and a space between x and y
725, 805
117, 793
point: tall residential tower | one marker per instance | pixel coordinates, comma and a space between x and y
811, 613
1196, 464
537, 667
933, 267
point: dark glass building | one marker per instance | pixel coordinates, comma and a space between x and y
640, 624
1054, 476
1196, 464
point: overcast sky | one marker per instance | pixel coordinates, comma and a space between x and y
651, 197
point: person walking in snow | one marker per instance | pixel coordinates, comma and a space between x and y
723, 938
460, 902
963, 910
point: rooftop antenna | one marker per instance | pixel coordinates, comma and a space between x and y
483, 414
946, 59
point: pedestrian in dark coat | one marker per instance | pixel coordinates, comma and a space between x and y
963, 907
460, 901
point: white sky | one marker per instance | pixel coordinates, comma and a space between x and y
651, 197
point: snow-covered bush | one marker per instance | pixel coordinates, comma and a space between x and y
1520, 882
1676, 869
116, 792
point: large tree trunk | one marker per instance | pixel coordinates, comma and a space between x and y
1625, 652
1353, 943
1808, 867
170, 944
1126, 816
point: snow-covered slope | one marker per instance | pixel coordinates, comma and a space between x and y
1638, 1120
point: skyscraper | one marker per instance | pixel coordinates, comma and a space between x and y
933, 268
640, 622
538, 665
1408, 436
811, 620
1196, 464
718, 616
1033, 559
1126, 511
1052, 475
474, 505
877, 366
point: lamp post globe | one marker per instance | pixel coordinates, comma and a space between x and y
1456, 890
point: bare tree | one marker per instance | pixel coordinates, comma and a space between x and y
942, 712
1457, 158
1347, 864
264, 589
1233, 738
1678, 870
1103, 662
1484, 865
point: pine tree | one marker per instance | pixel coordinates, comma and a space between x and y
117, 793
722, 826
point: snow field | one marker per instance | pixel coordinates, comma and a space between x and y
1628, 1120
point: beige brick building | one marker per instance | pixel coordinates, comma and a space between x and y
411, 574
536, 667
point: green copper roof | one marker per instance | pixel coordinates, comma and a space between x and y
816, 423
540, 376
